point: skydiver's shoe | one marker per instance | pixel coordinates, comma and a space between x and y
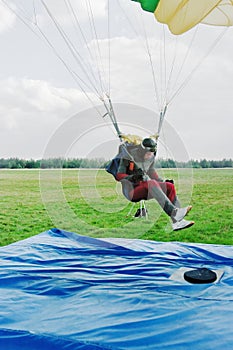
182, 224
137, 214
181, 213
141, 213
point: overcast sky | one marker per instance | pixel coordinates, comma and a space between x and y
39, 98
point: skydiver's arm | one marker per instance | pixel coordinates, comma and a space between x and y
153, 173
121, 176
122, 173
122, 170
135, 178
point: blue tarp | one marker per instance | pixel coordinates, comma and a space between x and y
60, 290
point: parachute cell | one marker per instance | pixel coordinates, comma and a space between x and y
180, 15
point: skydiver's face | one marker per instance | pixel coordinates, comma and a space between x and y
148, 155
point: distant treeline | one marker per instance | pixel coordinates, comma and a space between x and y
99, 163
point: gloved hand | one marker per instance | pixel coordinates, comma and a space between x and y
133, 178
171, 181
138, 176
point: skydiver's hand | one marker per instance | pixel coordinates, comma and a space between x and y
171, 181
139, 171
134, 178
137, 177
141, 175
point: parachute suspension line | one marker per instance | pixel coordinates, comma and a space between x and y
169, 79
165, 74
151, 62
141, 38
74, 75
80, 31
165, 144
71, 48
98, 55
108, 104
76, 78
23, 12
182, 64
36, 30
105, 98
163, 68
109, 50
161, 101
161, 119
129, 20
169, 86
110, 112
186, 81
22, 18
78, 27
34, 11
28, 23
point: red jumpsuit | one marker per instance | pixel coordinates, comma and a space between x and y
141, 189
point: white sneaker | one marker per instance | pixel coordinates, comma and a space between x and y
180, 225
181, 213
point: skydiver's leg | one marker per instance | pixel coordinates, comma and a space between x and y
155, 191
176, 214
176, 202
139, 192
151, 189
169, 189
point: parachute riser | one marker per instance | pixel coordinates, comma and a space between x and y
161, 118
110, 112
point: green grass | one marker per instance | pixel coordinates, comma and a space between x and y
90, 202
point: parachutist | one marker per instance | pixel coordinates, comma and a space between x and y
140, 181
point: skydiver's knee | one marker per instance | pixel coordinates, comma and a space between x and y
153, 183
170, 187
171, 191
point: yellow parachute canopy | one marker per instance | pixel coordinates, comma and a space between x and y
182, 15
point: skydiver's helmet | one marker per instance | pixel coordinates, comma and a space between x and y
149, 145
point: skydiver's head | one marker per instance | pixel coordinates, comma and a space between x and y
149, 145
148, 148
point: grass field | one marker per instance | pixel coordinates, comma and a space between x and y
90, 202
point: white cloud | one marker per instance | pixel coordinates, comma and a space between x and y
33, 96
30, 111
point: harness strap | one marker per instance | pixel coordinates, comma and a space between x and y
131, 166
